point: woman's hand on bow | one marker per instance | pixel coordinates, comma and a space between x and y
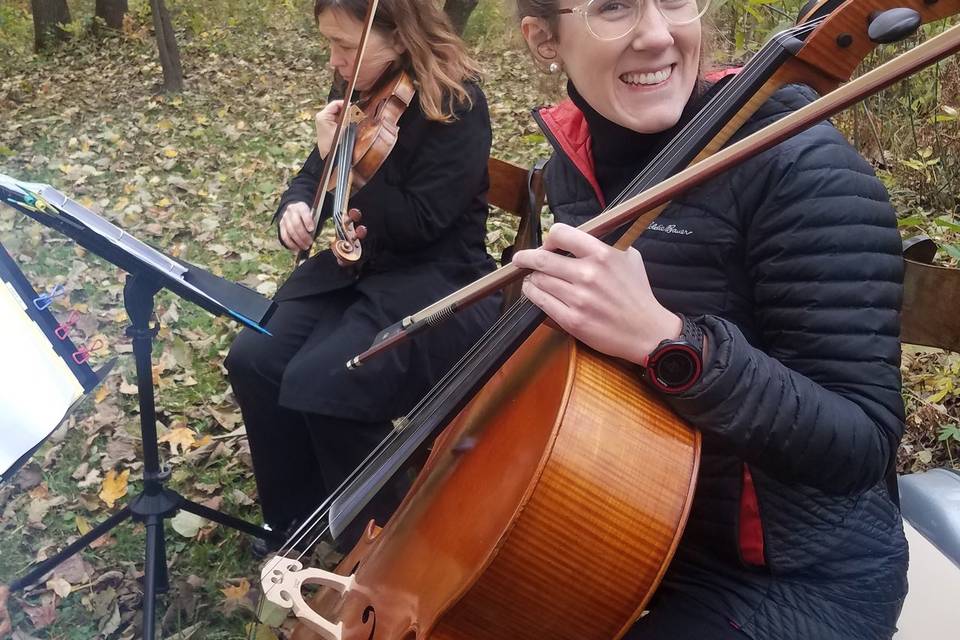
296, 227
598, 294
326, 121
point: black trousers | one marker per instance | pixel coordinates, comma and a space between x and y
676, 616
299, 459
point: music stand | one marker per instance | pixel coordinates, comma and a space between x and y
148, 271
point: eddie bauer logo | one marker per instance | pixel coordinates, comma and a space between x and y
670, 228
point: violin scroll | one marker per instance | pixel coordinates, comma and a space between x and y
283, 580
346, 248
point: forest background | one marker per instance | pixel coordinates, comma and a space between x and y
198, 173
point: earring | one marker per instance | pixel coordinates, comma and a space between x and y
553, 68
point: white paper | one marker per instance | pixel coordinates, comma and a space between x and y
37, 388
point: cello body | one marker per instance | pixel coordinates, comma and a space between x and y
549, 508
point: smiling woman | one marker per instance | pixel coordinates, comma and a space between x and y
310, 422
755, 312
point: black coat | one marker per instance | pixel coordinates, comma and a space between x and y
425, 211
791, 264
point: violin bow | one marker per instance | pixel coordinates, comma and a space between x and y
317, 209
644, 206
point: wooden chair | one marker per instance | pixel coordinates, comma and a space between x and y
519, 192
931, 299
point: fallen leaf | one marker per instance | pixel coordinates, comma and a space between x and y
44, 614
240, 498
38, 510
119, 449
228, 419
109, 624
180, 439
102, 392
83, 525
187, 524
114, 486
60, 587
40, 491
5, 625
185, 634
81, 471
29, 476
235, 596
74, 570
238, 591
259, 631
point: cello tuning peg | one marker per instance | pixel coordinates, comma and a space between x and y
892, 25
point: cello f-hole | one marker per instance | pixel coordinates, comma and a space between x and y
365, 618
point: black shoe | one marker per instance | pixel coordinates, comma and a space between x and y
260, 548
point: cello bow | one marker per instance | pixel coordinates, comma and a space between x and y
831, 51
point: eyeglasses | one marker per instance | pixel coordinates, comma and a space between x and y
613, 19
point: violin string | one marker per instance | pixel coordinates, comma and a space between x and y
444, 388
431, 399
343, 150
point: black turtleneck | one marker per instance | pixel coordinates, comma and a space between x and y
619, 154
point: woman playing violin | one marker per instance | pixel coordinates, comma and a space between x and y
309, 420
762, 305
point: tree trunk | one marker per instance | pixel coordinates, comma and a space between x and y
459, 12
112, 12
167, 45
48, 15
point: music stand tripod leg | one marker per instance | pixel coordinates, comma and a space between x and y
72, 549
157, 502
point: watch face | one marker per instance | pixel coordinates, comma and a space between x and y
677, 367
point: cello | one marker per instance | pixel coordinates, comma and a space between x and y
511, 527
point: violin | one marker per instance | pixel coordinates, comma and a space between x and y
365, 135
558, 486
378, 130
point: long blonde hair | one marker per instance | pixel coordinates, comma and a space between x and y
435, 55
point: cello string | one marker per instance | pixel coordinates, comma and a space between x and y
444, 388
718, 104
522, 304
714, 107
471, 362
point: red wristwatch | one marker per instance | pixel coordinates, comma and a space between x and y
675, 365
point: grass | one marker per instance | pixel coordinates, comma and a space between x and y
198, 174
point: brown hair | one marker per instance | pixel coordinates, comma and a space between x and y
435, 55
546, 9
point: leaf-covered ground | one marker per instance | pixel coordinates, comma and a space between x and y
198, 175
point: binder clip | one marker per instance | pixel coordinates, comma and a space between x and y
44, 300
81, 355
63, 329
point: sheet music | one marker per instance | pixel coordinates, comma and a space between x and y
37, 388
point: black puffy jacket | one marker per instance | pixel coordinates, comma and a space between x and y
791, 263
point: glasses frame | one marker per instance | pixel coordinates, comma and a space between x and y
583, 11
